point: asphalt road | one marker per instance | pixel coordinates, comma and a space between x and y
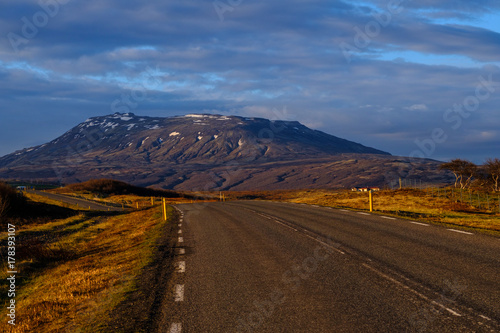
76, 201
282, 267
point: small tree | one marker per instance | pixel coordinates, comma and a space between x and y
463, 170
492, 167
470, 170
454, 167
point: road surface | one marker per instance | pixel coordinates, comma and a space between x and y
76, 201
281, 267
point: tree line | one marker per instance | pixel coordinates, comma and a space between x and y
468, 174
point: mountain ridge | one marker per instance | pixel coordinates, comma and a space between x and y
191, 151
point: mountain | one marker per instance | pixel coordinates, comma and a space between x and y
199, 152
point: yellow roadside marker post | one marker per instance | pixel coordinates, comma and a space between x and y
164, 209
371, 200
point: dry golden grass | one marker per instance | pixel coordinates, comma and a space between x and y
77, 292
132, 200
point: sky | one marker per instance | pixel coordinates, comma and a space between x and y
414, 78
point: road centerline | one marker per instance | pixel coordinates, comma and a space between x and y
179, 293
175, 328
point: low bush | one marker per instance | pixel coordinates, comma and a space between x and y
11, 201
115, 187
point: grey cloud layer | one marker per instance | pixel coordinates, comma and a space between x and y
263, 55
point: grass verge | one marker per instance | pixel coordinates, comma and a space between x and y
74, 272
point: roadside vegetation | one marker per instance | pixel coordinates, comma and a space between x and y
113, 192
75, 268
469, 175
11, 201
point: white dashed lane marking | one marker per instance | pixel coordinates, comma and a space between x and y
461, 232
182, 251
388, 218
181, 240
181, 267
179, 232
175, 328
418, 223
411, 290
361, 213
179, 293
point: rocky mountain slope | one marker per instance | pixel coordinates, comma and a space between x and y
203, 152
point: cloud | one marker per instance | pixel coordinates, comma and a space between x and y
263, 56
417, 107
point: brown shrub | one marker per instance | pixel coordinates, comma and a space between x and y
459, 207
115, 187
10, 200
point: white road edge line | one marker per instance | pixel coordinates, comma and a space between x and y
179, 293
411, 290
265, 216
326, 245
283, 224
418, 223
461, 232
175, 328
181, 267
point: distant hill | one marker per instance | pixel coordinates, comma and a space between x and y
204, 152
